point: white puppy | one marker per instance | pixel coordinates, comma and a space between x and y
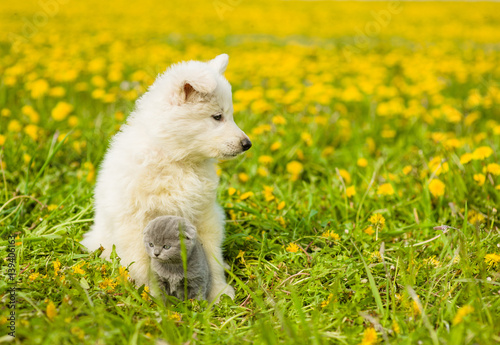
162, 162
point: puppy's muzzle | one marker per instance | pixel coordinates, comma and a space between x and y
246, 144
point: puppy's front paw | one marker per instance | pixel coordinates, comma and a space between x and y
217, 291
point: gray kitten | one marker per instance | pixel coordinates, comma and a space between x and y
163, 245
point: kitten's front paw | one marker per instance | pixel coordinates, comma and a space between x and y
217, 291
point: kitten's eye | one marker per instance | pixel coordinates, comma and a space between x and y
151, 245
166, 246
217, 117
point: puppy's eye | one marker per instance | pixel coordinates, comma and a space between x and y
217, 117
151, 245
166, 246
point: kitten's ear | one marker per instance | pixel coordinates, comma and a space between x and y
190, 232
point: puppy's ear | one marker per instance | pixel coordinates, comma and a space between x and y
203, 83
219, 63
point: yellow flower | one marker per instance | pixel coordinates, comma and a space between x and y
51, 311
57, 91
295, 169
144, 293
32, 131
2, 139
61, 111
482, 152
268, 193
407, 169
231, 191
175, 316
57, 267
461, 313
327, 301
378, 220
369, 230
385, 189
29, 111
292, 248
262, 171
123, 272
33, 276
275, 146
78, 268
479, 178
331, 234
14, 126
307, 138
281, 205
80, 333
395, 327
345, 175
350, 191
108, 283
327, 151
474, 217
39, 88
265, 159
369, 337
492, 259
279, 120
246, 195
362, 162
6, 112
243, 177
437, 187
493, 168
466, 158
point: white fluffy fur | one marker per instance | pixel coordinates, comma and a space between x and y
162, 162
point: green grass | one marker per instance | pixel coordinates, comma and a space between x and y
408, 280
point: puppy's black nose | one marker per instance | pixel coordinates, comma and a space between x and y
156, 254
246, 144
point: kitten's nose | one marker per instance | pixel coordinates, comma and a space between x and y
156, 254
246, 144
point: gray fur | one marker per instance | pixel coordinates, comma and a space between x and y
166, 263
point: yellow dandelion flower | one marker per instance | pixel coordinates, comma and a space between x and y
369, 230
407, 169
437, 188
369, 337
493, 168
51, 311
32, 131
377, 219
466, 158
246, 195
295, 169
61, 111
6, 112
461, 313
144, 293
279, 120
330, 234
482, 153
243, 177
350, 191
265, 159
14, 126
275, 146
327, 151
108, 283
395, 327
492, 259
362, 162
57, 267
385, 189
292, 248
281, 205
78, 268
175, 316
262, 171
39, 88
268, 193
307, 138
479, 178
80, 333
231, 191
33, 276
2, 139
123, 272
345, 175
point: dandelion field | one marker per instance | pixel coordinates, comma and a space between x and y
366, 211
